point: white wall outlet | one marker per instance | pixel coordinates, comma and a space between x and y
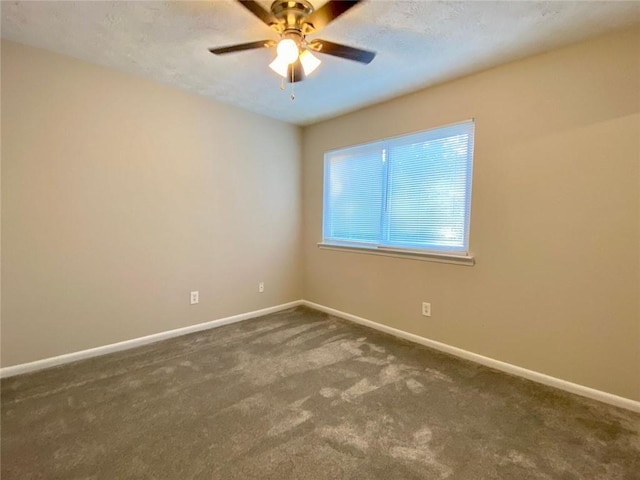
261, 287
426, 309
195, 298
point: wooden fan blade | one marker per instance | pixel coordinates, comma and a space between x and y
328, 13
243, 46
258, 11
342, 51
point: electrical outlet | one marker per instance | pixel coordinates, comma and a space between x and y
261, 287
195, 298
426, 309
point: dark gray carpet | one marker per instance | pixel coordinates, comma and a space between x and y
300, 395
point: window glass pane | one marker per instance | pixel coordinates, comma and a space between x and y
353, 195
427, 193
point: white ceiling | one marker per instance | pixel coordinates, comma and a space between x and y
419, 43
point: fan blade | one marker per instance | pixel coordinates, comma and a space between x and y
243, 46
328, 13
342, 51
258, 11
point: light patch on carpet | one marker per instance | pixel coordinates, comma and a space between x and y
354, 348
437, 375
362, 387
328, 392
134, 383
39, 412
166, 370
238, 334
420, 451
415, 386
188, 364
290, 421
518, 458
299, 403
344, 438
281, 336
306, 337
391, 374
260, 371
373, 361
249, 404
376, 348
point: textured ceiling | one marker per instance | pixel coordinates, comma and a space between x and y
419, 43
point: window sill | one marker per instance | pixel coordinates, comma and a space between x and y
466, 260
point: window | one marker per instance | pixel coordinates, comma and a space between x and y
406, 193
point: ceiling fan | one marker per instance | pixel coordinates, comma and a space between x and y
293, 20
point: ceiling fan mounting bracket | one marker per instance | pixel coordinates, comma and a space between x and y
290, 15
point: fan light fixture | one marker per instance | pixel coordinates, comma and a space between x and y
309, 62
280, 67
287, 50
293, 20
288, 53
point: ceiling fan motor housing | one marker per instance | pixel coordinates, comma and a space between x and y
290, 15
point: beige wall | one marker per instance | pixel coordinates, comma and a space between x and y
555, 218
120, 195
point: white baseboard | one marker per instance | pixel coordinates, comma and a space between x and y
588, 392
137, 342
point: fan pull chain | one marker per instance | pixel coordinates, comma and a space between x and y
282, 83
293, 95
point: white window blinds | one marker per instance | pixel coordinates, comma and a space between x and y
410, 192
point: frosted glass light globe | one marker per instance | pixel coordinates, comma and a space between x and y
287, 50
280, 67
309, 62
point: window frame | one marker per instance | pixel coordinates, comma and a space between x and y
443, 254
